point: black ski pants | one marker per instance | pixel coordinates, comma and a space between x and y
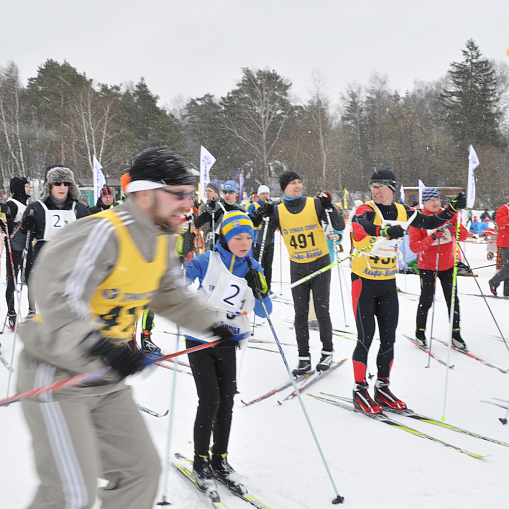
215, 375
374, 298
266, 261
17, 258
428, 291
320, 285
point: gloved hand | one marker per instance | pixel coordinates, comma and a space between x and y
438, 233
222, 332
452, 228
458, 202
257, 282
28, 223
211, 206
4, 207
266, 210
325, 202
120, 357
393, 232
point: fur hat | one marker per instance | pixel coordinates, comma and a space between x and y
60, 174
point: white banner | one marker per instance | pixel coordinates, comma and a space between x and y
402, 192
99, 179
421, 189
207, 160
473, 163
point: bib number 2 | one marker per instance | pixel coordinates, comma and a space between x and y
233, 295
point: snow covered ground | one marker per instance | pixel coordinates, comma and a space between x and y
373, 465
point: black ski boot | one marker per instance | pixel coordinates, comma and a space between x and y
225, 474
420, 337
325, 361
457, 340
147, 345
12, 321
303, 367
363, 401
203, 475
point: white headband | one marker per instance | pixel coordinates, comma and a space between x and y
143, 185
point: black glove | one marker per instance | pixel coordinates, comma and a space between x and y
257, 282
7, 211
266, 210
222, 332
120, 357
458, 202
211, 206
326, 202
393, 232
28, 223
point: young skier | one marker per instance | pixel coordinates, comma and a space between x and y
228, 281
378, 223
428, 245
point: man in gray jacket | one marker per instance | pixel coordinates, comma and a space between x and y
91, 283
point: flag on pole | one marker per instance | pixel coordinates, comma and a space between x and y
473, 163
207, 160
345, 200
421, 189
241, 185
402, 192
99, 179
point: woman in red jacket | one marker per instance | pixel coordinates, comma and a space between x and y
427, 243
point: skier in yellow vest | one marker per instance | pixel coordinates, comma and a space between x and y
300, 222
382, 223
91, 283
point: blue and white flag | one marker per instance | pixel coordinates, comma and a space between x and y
207, 160
99, 179
241, 185
473, 163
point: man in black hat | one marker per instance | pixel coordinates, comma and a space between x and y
91, 283
300, 222
13, 210
381, 223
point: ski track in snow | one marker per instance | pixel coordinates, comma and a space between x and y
271, 446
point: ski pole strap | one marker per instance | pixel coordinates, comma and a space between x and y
322, 270
90, 376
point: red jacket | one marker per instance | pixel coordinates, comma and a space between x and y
421, 243
502, 220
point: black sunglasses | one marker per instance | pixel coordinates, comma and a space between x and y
66, 184
229, 192
179, 194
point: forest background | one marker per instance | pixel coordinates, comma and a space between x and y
260, 128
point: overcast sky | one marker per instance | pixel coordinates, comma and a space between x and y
192, 47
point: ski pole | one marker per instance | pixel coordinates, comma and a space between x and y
170, 430
339, 499
434, 302
99, 373
339, 270
260, 254
484, 297
451, 313
322, 270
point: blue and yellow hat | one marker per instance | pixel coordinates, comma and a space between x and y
234, 223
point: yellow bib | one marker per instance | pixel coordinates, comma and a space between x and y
120, 299
303, 234
376, 267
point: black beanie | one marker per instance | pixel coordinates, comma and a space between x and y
17, 187
384, 176
286, 177
160, 165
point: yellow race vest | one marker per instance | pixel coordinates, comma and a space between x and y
376, 267
303, 234
120, 299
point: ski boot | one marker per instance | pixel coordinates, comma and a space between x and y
12, 321
493, 288
147, 345
325, 361
303, 367
457, 340
421, 338
313, 325
224, 473
203, 475
385, 397
363, 401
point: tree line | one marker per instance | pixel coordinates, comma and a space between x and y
63, 116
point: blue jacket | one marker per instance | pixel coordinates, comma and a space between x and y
197, 268
257, 239
478, 227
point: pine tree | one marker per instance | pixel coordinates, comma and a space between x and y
472, 100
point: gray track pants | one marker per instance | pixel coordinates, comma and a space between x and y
79, 438
503, 273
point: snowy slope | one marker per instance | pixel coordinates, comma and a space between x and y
373, 465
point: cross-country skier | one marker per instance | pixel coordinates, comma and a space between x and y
228, 281
502, 220
380, 223
91, 283
428, 245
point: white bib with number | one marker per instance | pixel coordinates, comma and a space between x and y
444, 240
57, 219
227, 293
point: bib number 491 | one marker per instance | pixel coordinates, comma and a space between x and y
301, 242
